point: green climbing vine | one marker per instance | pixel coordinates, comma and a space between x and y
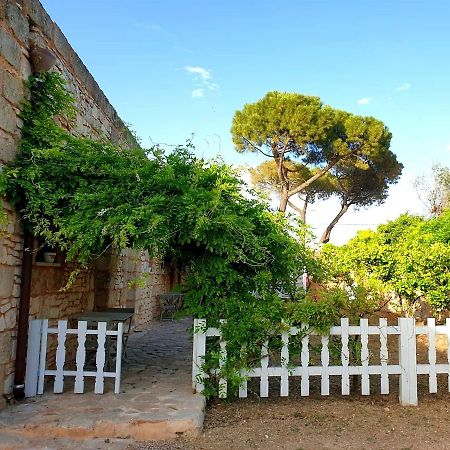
89, 197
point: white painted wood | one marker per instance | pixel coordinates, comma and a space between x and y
223, 384
325, 360
284, 380
407, 362
304, 384
32, 367
42, 357
80, 358
365, 386
408, 369
201, 352
345, 357
447, 329
194, 354
244, 385
100, 358
118, 358
384, 356
432, 377
264, 381
58, 385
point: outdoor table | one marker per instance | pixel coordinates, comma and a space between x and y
112, 318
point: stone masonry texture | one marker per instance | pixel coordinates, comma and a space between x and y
24, 24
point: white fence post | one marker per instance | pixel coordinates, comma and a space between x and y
32, 368
200, 329
194, 355
408, 361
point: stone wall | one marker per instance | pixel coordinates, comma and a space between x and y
131, 280
24, 24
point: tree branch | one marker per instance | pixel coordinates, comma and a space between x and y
326, 234
256, 147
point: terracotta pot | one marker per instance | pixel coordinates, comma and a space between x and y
42, 59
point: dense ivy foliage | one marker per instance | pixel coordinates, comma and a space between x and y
90, 197
409, 256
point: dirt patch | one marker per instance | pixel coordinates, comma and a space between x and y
333, 422
295, 423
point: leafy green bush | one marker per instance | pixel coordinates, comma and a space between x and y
90, 197
409, 256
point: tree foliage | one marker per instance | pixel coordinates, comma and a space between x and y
293, 127
409, 256
265, 176
361, 185
435, 195
89, 197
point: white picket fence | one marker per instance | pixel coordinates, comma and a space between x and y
37, 357
408, 368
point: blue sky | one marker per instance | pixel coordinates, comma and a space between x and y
173, 68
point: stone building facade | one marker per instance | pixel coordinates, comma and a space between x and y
24, 24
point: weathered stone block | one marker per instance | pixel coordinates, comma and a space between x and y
25, 67
62, 45
39, 17
12, 87
8, 384
5, 347
7, 281
8, 146
9, 48
10, 318
8, 120
17, 21
36, 37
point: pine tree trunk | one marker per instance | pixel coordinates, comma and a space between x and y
327, 233
284, 198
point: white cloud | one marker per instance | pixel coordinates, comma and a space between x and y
198, 93
203, 80
447, 147
404, 87
200, 71
364, 101
213, 86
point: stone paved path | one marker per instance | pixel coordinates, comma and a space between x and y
156, 401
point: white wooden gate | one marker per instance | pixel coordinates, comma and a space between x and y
406, 333
36, 370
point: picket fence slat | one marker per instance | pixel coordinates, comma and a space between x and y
304, 389
100, 358
284, 381
405, 333
37, 354
223, 385
42, 356
384, 356
345, 357
264, 382
365, 383
447, 326
80, 357
325, 360
32, 367
432, 377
